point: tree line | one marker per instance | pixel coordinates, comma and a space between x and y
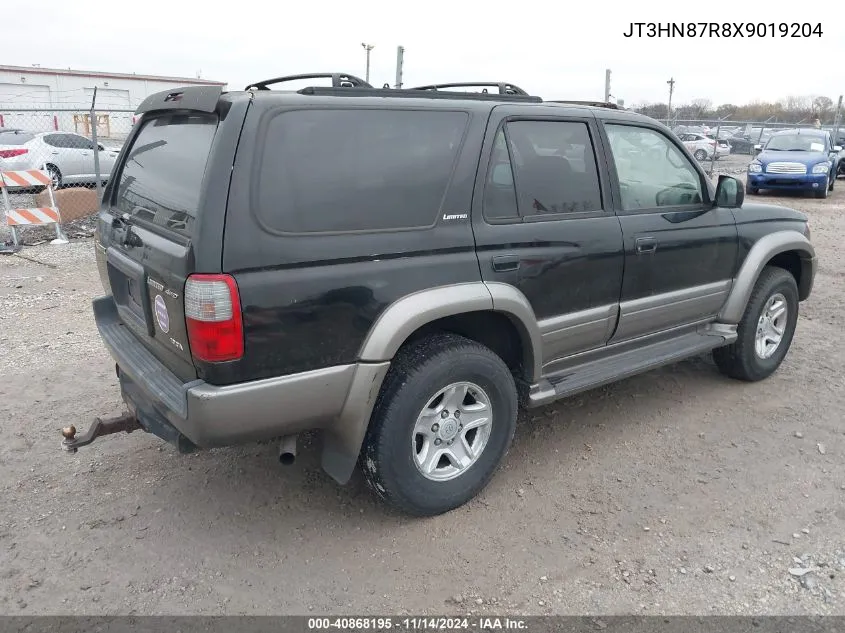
789, 110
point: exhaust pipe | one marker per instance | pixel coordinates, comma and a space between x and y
287, 450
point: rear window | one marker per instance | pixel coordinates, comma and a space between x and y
162, 175
357, 170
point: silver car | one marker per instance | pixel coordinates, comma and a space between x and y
68, 157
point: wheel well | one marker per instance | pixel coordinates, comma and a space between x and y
492, 329
791, 262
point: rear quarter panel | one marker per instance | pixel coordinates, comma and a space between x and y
309, 300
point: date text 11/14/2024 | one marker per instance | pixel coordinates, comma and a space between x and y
723, 29
418, 624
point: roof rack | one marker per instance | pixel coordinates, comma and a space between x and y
595, 104
504, 88
339, 80
414, 93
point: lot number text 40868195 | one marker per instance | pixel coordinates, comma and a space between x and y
723, 29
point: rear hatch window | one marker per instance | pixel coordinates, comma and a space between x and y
147, 258
161, 178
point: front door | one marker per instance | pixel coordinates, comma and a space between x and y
680, 251
544, 224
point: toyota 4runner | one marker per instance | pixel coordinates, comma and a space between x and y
401, 269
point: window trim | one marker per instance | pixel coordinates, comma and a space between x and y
595, 140
705, 205
258, 153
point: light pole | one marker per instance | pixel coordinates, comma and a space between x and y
671, 83
368, 48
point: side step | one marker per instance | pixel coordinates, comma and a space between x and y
602, 371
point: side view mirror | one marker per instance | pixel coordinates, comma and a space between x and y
729, 193
837, 148
758, 148
100, 147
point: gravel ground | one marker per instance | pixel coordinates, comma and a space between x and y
675, 492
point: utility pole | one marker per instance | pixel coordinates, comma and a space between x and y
607, 85
400, 60
837, 120
368, 48
671, 83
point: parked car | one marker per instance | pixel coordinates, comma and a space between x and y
797, 160
263, 276
840, 141
68, 157
743, 143
703, 147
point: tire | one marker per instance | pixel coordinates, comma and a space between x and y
741, 360
832, 180
392, 449
700, 155
751, 190
55, 176
822, 193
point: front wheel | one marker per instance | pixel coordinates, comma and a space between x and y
822, 191
765, 332
700, 154
751, 190
55, 176
443, 421
832, 180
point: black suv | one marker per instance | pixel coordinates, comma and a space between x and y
401, 269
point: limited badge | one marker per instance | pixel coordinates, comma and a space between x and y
162, 316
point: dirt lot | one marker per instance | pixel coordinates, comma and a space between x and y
678, 491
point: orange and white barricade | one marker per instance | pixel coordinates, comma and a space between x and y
37, 216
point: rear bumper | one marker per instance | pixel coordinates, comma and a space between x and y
797, 182
210, 415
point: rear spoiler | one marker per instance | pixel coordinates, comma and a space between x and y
197, 98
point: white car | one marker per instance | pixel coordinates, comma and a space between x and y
68, 157
702, 147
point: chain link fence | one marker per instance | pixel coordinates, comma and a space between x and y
76, 149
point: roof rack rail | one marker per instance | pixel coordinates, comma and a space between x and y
414, 93
595, 104
503, 87
339, 80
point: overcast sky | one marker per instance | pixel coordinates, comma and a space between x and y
554, 49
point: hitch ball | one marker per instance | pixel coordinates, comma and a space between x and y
69, 432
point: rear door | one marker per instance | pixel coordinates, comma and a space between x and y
153, 217
64, 154
544, 223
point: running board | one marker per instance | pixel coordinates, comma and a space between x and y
602, 371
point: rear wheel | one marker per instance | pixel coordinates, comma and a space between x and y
55, 176
765, 332
444, 419
700, 154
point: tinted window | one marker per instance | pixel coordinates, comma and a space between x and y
357, 170
797, 142
161, 179
499, 190
554, 167
652, 171
15, 138
75, 141
54, 140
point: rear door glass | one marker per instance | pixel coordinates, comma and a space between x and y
161, 178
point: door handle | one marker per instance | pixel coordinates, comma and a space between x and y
54, 153
505, 263
645, 245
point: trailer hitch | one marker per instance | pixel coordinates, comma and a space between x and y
126, 422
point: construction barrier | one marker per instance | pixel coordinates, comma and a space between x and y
38, 216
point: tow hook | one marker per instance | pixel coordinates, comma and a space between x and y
126, 422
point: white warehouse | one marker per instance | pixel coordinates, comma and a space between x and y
44, 99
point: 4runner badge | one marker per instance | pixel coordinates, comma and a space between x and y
455, 216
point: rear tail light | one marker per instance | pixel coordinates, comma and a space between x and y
213, 318
11, 153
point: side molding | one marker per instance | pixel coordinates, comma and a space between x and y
763, 250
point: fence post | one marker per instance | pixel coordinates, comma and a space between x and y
96, 148
837, 120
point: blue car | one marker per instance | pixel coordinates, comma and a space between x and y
795, 160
